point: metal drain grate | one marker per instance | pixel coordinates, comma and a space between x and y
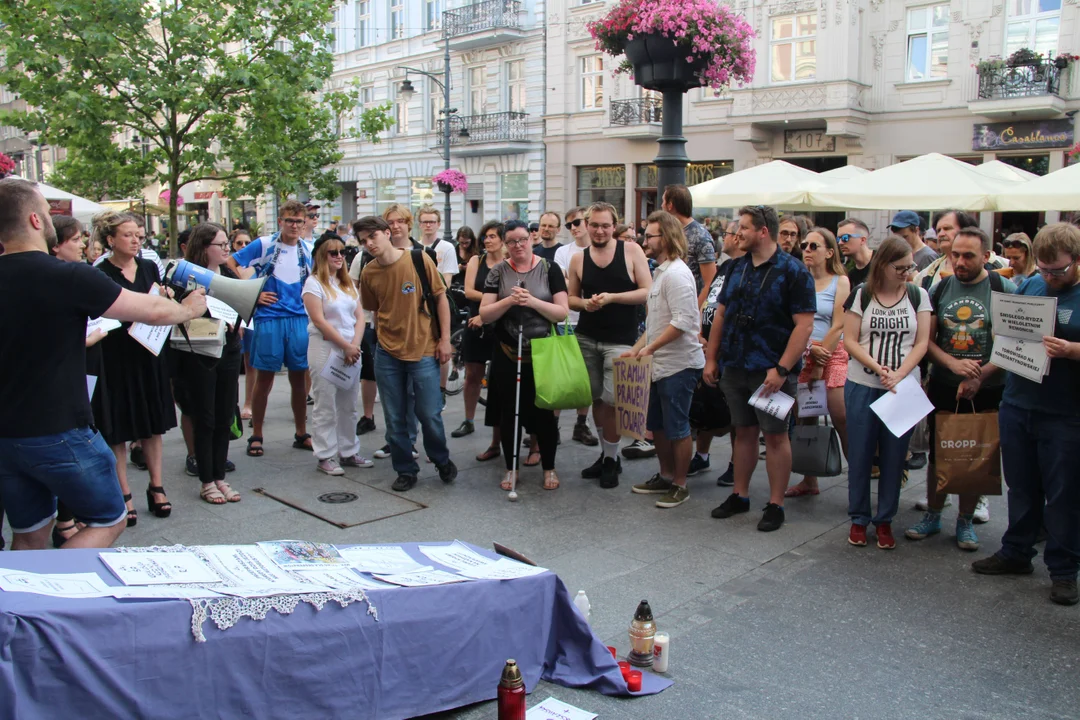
338, 498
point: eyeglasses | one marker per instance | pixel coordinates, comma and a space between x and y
730, 234
335, 253
223, 246
811, 246
1014, 244
429, 222
574, 223
649, 237
846, 237
599, 226
520, 241
294, 221
789, 233
1055, 272
903, 269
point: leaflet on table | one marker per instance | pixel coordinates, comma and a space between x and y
1027, 317
252, 591
103, 324
158, 568
221, 311
161, 592
338, 373
296, 554
502, 569
245, 566
345, 579
813, 399
423, 577
552, 709
778, 404
67, 585
456, 555
903, 409
151, 337
384, 559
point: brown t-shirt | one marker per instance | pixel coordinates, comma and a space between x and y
394, 294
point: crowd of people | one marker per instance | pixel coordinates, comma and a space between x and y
771, 302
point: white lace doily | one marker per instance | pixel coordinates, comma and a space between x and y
227, 611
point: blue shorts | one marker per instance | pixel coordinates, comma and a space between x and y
280, 341
669, 404
248, 340
76, 466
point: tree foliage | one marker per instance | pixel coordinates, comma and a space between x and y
228, 89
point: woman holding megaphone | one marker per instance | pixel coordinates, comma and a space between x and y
207, 388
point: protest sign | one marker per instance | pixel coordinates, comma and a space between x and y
633, 377
1020, 323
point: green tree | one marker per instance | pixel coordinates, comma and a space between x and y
234, 90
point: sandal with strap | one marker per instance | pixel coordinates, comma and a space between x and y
551, 480
490, 454
162, 509
58, 536
302, 442
226, 490
211, 494
533, 459
253, 451
132, 514
506, 484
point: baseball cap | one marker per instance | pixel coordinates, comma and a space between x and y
533, 227
931, 234
905, 218
312, 206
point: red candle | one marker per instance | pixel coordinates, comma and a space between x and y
633, 681
624, 666
613, 651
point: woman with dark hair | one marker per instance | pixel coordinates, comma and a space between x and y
69, 239
467, 249
94, 250
624, 233
886, 333
140, 401
479, 339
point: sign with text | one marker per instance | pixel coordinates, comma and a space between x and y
804, 141
59, 207
1028, 135
633, 377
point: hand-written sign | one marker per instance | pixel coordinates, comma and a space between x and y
633, 377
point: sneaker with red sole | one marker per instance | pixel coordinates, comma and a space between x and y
885, 539
857, 536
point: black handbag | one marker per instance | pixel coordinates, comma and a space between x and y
815, 451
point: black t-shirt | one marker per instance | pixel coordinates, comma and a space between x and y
855, 275
43, 342
548, 253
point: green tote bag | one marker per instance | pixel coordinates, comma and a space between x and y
562, 382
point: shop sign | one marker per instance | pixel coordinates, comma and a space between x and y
1029, 135
205, 195
60, 207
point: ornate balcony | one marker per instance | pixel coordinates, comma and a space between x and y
1026, 90
482, 24
637, 119
488, 134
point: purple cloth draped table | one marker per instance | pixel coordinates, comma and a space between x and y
432, 648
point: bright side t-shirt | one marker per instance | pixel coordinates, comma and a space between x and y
394, 294
887, 334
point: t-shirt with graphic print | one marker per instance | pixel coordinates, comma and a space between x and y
965, 326
887, 334
700, 248
286, 280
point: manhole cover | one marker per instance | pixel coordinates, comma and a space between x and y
337, 498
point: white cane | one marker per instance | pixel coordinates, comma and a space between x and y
513, 496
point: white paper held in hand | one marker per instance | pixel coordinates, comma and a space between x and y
151, 337
778, 404
813, 399
102, 323
221, 311
903, 409
1026, 358
338, 373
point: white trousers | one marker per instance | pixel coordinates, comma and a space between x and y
336, 411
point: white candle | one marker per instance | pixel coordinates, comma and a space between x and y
660, 652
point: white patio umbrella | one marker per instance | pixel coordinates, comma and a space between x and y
776, 183
82, 209
928, 182
1060, 190
1004, 171
844, 172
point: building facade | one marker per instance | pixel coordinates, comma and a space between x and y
837, 82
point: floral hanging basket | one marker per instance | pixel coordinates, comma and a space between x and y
451, 180
659, 64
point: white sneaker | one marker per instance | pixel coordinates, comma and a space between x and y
921, 504
982, 511
330, 467
384, 452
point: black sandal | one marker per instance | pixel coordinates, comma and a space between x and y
161, 510
132, 514
255, 451
58, 537
300, 442
490, 454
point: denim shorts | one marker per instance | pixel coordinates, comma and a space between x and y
76, 466
280, 341
669, 403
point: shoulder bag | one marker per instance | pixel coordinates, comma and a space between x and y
562, 382
815, 451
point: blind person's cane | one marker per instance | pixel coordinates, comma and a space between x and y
513, 496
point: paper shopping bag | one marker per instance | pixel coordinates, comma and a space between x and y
967, 454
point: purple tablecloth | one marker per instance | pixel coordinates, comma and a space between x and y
432, 648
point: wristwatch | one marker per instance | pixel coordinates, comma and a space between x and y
782, 371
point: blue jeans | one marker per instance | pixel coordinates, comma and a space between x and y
1038, 461
867, 437
397, 380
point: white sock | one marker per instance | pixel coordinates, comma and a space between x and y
703, 456
611, 449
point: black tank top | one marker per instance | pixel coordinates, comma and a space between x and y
482, 271
615, 323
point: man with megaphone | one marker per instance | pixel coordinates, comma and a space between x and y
281, 337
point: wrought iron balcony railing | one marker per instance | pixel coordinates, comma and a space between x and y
487, 128
636, 112
1023, 80
480, 16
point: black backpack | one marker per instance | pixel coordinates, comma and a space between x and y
997, 284
865, 297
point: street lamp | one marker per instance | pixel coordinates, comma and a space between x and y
142, 194
406, 91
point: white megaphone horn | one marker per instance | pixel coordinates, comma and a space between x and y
240, 295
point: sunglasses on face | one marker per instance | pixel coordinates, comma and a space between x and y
574, 223
1014, 244
847, 237
335, 253
313, 216
1055, 272
811, 246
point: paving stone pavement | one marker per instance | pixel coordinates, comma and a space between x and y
790, 624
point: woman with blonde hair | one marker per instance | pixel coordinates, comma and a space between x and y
335, 327
825, 360
1017, 250
140, 400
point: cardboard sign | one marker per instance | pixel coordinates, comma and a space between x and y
633, 378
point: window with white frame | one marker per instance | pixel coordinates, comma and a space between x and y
514, 197
385, 195
363, 23
435, 102
397, 19
478, 90
1032, 24
401, 116
515, 86
592, 82
433, 10
927, 43
365, 99
793, 51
